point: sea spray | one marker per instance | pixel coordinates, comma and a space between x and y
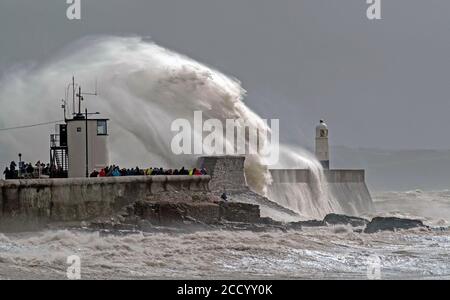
310, 200
142, 88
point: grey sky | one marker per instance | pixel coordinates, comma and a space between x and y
379, 84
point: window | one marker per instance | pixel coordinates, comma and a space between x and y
102, 128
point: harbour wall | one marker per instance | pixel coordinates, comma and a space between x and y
75, 199
228, 176
227, 172
36, 201
347, 186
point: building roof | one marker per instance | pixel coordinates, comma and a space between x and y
84, 119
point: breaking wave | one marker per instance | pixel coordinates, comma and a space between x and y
143, 88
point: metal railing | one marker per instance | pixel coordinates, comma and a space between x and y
55, 140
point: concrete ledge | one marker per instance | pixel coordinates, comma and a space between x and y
290, 175
347, 186
304, 175
103, 180
83, 198
343, 175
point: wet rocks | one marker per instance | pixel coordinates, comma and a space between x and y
239, 212
391, 224
336, 219
269, 221
151, 216
176, 213
375, 225
300, 224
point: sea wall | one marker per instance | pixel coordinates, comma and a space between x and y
348, 187
227, 175
227, 172
303, 175
79, 199
43, 200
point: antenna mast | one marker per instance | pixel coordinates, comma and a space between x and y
63, 106
80, 98
79, 95
73, 94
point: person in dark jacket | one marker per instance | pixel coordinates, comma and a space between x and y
224, 196
183, 171
7, 173
12, 166
30, 169
94, 174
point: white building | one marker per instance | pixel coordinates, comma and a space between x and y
80, 147
85, 158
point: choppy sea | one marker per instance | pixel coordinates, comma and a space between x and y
318, 253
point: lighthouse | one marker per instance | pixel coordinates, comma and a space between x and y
322, 149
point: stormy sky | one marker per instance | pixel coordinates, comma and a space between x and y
382, 84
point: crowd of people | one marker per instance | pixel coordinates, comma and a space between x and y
26, 170
41, 170
113, 171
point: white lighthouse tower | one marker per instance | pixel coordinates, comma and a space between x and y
322, 148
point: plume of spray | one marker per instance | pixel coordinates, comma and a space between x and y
311, 200
143, 88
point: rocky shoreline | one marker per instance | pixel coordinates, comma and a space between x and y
173, 211
185, 217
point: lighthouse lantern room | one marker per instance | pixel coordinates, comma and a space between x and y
322, 148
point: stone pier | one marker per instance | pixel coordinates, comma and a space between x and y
348, 187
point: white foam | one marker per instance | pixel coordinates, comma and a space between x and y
143, 88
